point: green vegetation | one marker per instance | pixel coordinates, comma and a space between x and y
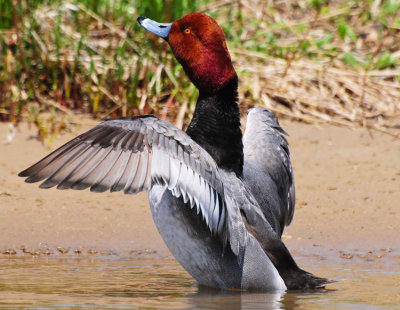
63, 57
344, 30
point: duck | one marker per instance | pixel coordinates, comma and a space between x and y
220, 199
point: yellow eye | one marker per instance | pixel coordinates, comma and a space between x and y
187, 30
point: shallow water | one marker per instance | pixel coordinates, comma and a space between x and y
116, 282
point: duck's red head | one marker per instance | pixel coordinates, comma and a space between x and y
198, 43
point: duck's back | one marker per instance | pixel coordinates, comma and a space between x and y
267, 169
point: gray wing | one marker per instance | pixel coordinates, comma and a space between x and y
267, 169
133, 154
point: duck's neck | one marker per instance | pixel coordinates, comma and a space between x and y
216, 126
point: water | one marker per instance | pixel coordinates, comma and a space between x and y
115, 282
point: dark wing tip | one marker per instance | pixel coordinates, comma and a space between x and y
44, 185
28, 172
33, 178
23, 173
99, 188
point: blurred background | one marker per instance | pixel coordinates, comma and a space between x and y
313, 61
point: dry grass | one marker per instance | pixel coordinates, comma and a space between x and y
317, 92
344, 82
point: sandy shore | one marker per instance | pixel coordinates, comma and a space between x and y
347, 186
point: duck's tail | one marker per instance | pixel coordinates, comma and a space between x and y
294, 277
299, 279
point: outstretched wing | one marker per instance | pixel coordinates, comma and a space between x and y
267, 168
133, 154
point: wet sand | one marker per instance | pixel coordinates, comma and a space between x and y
347, 186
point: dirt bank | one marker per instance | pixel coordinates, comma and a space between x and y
347, 184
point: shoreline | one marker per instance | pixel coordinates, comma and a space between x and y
347, 188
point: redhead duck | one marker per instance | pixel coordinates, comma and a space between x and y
219, 200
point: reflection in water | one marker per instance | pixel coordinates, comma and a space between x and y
131, 282
214, 299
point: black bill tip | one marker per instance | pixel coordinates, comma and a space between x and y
140, 19
160, 29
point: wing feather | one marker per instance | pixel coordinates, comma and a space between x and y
130, 174
85, 167
42, 169
174, 171
127, 174
95, 167
68, 167
114, 173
